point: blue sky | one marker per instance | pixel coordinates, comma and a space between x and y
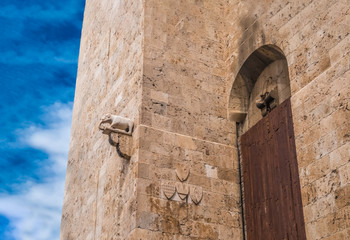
39, 45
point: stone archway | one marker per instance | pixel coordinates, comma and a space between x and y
264, 70
260, 105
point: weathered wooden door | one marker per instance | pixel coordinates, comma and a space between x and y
272, 200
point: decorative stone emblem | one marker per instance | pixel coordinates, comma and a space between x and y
169, 189
267, 101
196, 194
182, 172
182, 190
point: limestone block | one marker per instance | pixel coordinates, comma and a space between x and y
339, 220
342, 197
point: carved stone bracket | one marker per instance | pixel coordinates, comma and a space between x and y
117, 124
119, 130
237, 116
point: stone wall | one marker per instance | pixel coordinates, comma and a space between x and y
170, 66
184, 115
314, 36
99, 197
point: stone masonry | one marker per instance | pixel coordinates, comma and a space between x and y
169, 66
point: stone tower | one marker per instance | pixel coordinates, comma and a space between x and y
193, 76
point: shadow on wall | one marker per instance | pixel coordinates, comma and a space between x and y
251, 32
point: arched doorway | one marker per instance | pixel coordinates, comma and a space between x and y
260, 104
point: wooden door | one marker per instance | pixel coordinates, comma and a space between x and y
272, 200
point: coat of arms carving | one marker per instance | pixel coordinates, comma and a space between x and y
182, 172
169, 189
182, 190
196, 194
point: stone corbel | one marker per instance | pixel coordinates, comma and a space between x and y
237, 116
119, 131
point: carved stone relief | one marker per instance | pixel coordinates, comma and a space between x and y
267, 101
169, 189
182, 189
196, 194
182, 172
113, 123
118, 130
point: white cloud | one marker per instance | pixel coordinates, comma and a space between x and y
34, 210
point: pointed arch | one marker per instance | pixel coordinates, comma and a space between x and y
268, 63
